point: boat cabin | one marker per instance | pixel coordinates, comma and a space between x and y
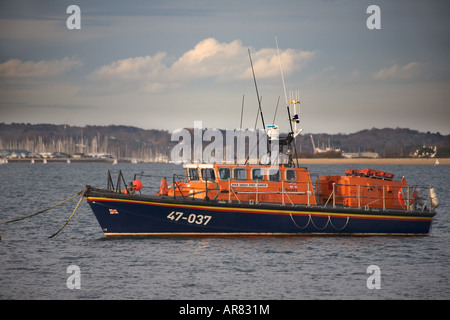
285, 184
246, 183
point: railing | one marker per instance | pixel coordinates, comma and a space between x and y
362, 197
121, 186
118, 187
408, 197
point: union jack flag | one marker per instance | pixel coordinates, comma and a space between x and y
113, 211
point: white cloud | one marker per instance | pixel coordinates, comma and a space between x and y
410, 71
139, 68
208, 59
15, 68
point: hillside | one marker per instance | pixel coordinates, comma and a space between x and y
132, 142
386, 142
118, 141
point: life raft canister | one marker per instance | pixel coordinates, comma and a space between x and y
401, 198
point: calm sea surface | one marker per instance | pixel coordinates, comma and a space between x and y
32, 266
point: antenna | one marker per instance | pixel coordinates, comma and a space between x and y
294, 100
242, 110
294, 131
281, 70
276, 109
259, 104
257, 93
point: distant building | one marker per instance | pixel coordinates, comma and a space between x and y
425, 152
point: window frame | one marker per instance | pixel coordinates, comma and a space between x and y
286, 173
239, 169
219, 173
269, 175
190, 170
211, 170
262, 174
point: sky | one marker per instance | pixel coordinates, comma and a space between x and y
165, 64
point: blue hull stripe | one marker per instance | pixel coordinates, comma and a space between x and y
124, 217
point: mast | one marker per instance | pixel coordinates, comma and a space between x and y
259, 107
257, 93
291, 104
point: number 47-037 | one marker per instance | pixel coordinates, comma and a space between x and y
191, 218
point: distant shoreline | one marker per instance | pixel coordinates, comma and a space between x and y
376, 161
302, 161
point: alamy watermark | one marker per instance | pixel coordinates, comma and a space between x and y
73, 22
374, 280
374, 20
74, 280
231, 146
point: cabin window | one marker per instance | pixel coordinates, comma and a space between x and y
291, 175
240, 173
208, 174
274, 175
224, 173
257, 174
193, 174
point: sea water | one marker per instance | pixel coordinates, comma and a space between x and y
33, 266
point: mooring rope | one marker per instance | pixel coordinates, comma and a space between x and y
42, 211
76, 208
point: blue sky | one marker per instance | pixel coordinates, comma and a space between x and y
166, 64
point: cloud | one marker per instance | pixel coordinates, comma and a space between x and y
410, 71
14, 68
209, 59
139, 68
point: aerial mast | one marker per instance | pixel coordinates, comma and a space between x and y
257, 93
291, 104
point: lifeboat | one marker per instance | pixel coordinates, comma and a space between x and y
266, 198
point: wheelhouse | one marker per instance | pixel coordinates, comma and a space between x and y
255, 183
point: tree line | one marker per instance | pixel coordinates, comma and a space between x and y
132, 142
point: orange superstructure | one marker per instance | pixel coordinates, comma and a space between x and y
285, 184
364, 188
291, 185
246, 183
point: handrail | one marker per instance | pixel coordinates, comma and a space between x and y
205, 191
418, 198
177, 185
412, 201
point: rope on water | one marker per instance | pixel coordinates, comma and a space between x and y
42, 211
76, 208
